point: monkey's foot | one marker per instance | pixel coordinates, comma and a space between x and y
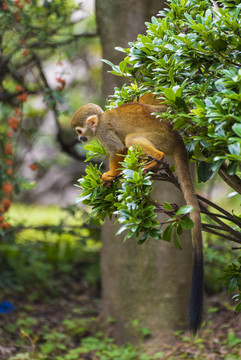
155, 164
156, 160
108, 177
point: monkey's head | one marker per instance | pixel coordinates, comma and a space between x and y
85, 121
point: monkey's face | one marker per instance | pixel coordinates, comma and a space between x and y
85, 133
80, 132
85, 125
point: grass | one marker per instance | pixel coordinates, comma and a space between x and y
62, 224
67, 327
46, 245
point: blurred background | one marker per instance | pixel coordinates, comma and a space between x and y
50, 65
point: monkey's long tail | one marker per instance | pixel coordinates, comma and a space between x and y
196, 294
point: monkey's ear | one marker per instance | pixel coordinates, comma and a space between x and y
92, 121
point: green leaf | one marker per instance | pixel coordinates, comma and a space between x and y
114, 67
199, 102
233, 340
237, 11
167, 206
167, 234
216, 166
143, 239
234, 148
136, 176
186, 223
169, 94
205, 171
176, 240
147, 182
156, 234
109, 197
179, 229
170, 47
238, 307
198, 152
118, 48
233, 284
134, 228
128, 173
220, 44
186, 209
180, 102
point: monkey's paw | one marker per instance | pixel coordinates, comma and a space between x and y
156, 161
107, 177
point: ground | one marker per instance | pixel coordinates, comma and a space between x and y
65, 327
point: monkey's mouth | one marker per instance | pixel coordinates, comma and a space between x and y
83, 138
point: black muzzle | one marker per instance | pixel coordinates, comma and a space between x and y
82, 138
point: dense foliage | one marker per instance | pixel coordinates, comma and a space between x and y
191, 57
37, 46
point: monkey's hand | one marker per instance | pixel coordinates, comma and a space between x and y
114, 163
107, 183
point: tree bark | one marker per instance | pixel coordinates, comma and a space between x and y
149, 282
148, 285
119, 22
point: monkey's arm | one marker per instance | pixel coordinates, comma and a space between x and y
115, 146
111, 142
114, 164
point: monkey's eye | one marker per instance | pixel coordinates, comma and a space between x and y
79, 132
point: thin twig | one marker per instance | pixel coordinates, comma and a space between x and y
39, 45
211, 231
205, 211
215, 206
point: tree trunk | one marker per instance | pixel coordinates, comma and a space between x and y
119, 22
149, 282
143, 286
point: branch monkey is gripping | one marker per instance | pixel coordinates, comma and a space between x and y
135, 124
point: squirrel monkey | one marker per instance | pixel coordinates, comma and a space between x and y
135, 124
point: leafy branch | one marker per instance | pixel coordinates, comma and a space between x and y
129, 197
227, 231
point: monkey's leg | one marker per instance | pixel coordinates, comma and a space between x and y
114, 164
147, 147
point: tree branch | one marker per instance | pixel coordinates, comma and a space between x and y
208, 228
66, 147
222, 226
227, 216
55, 44
232, 180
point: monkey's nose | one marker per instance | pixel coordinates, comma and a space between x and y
82, 138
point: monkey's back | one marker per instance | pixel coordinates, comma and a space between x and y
136, 118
